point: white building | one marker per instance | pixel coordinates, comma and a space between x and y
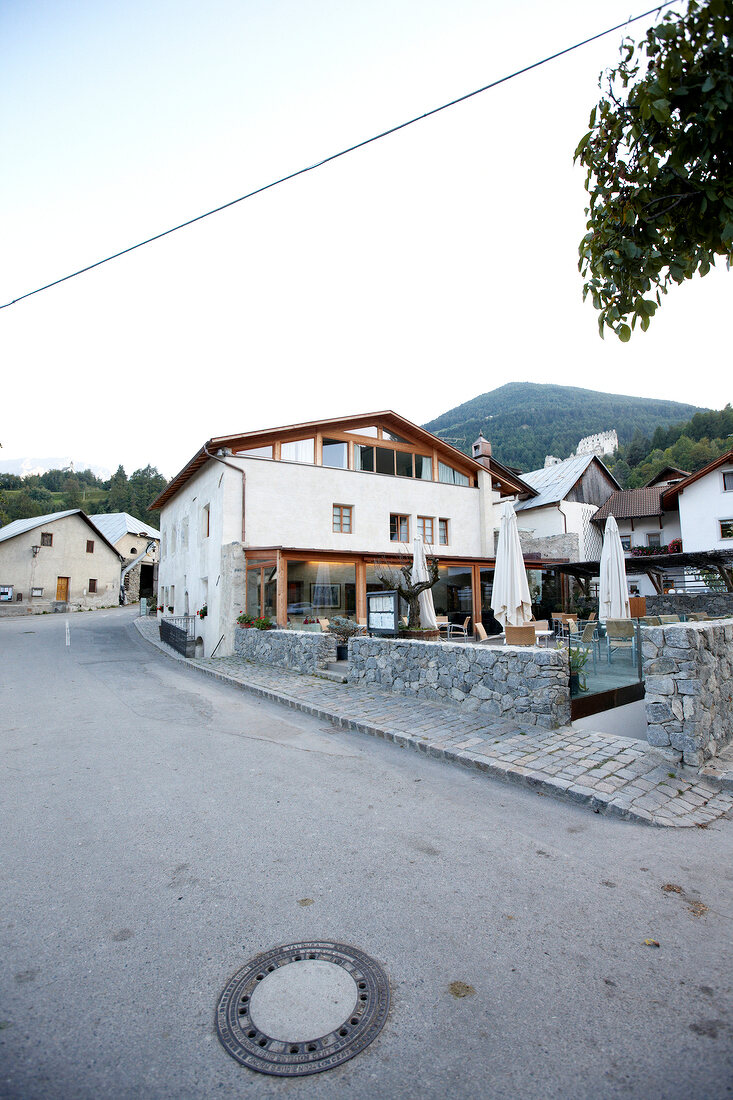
57, 562
558, 519
293, 522
705, 506
138, 543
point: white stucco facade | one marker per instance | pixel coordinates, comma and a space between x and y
72, 565
703, 506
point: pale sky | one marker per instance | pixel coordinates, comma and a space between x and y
414, 274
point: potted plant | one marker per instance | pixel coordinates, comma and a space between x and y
245, 620
263, 623
577, 660
203, 612
344, 629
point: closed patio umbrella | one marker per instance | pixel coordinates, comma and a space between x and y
510, 598
420, 573
613, 598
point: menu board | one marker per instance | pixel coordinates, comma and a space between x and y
382, 612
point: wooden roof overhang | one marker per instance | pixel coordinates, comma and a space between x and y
416, 437
658, 564
299, 553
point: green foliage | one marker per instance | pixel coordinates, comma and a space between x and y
526, 421
61, 490
686, 447
658, 155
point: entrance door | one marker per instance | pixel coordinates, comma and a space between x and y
62, 589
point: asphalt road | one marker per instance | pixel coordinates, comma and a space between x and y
160, 828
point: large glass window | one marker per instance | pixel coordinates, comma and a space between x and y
319, 590
336, 454
364, 458
256, 452
403, 463
453, 594
394, 438
424, 467
261, 596
449, 476
370, 431
298, 450
384, 460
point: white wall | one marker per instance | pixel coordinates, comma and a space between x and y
66, 557
650, 525
702, 505
192, 562
290, 504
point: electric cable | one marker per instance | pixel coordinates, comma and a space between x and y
342, 153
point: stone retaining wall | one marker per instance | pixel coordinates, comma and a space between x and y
298, 650
522, 683
688, 669
673, 603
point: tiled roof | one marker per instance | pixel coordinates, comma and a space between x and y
632, 504
114, 525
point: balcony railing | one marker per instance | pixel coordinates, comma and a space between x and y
179, 632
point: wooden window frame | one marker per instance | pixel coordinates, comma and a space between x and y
422, 529
343, 511
90, 546
399, 516
92, 586
443, 525
46, 538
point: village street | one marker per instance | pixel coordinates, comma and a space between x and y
160, 828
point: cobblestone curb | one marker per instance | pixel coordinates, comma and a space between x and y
612, 775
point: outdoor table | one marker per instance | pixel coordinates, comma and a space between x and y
546, 634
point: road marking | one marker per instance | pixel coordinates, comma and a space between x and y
68, 635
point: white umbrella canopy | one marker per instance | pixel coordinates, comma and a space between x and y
613, 597
510, 598
420, 573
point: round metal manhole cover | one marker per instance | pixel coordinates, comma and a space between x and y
303, 1008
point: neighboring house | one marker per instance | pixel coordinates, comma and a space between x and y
557, 521
57, 562
643, 521
704, 502
294, 522
132, 538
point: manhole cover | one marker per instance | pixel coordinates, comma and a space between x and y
302, 1008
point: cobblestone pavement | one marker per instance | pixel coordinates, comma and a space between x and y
615, 775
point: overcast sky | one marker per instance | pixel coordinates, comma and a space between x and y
414, 274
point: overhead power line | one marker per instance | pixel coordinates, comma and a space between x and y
341, 153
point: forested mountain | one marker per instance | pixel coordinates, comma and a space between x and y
524, 421
688, 446
60, 490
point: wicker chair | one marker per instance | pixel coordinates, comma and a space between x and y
520, 635
460, 631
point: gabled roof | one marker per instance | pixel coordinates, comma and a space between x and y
553, 483
386, 418
632, 504
21, 526
674, 490
669, 473
114, 525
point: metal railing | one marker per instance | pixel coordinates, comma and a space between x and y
179, 632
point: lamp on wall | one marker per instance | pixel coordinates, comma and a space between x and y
35, 550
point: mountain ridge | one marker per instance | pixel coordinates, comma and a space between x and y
525, 421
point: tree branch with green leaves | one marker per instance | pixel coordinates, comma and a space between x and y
658, 156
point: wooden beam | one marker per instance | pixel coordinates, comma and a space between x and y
361, 608
727, 575
656, 581
282, 590
476, 587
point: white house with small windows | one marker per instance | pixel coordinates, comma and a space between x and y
60, 561
293, 522
704, 502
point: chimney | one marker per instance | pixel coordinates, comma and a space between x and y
481, 451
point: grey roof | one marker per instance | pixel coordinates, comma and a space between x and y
114, 525
20, 526
553, 483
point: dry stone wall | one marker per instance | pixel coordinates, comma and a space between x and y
298, 650
688, 669
684, 603
526, 684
